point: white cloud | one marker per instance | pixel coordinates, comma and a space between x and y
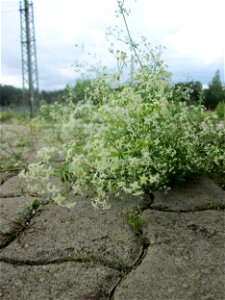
10, 79
192, 31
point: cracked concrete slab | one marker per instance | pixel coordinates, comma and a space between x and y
200, 193
4, 176
16, 187
12, 217
89, 251
13, 187
65, 281
173, 288
185, 258
60, 233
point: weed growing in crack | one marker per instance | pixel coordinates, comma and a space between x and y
18, 227
134, 220
15, 145
211, 204
80, 257
35, 206
135, 139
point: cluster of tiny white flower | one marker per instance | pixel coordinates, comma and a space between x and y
136, 139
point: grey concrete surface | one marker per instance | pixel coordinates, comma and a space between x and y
5, 176
88, 254
13, 214
65, 281
197, 194
185, 258
59, 233
13, 187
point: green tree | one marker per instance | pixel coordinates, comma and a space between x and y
81, 90
93, 89
52, 96
215, 92
194, 88
10, 95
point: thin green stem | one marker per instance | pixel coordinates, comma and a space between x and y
132, 43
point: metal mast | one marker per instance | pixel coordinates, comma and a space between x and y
29, 55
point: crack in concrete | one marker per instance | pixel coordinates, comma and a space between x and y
197, 209
126, 271
90, 260
13, 195
146, 243
43, 262
20, 226
4, 180
148, 201
151, 201
123, 270
18, 195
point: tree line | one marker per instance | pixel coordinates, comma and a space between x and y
209, 97
12, 96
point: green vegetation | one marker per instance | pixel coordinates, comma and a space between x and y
215, 93
6, 116
13, 163
214, 205
81, 90
52, 96
35, 206
135, 139
91, 258
220, 110
193, 90
134, 220
219, 178
14, 148
10, 95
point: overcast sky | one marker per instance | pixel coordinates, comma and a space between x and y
193, 32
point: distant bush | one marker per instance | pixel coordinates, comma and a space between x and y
10, 95
215, 93
6, 116
220, 110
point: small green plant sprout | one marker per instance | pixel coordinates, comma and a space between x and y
91, 258
212, 204
134, 220
35, 206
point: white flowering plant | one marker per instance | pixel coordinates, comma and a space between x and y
136, 139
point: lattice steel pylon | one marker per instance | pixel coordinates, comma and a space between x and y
29, 55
